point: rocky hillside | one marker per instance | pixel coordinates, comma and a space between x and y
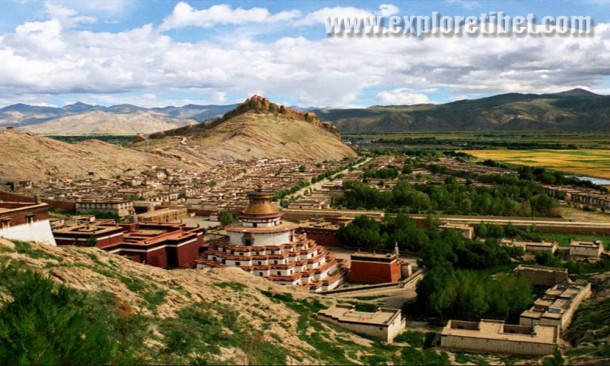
574, 110
255, 129
28, 156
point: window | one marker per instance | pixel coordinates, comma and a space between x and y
237, 263
279, 273
247, 239
29, 219
260, 263
5, 224
255, 225
260, 273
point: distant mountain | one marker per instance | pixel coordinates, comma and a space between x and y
117, 122
573, 110
578, 93
254, 129
83, 119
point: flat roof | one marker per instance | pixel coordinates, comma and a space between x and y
497, 330
86, 229
373, 255
348, 314
541, 268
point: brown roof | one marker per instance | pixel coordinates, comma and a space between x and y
261, 208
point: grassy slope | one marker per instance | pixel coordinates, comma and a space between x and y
510, 112
192, 316
219, 316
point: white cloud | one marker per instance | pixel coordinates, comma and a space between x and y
466, 4
49, 58
401, 96
320, 16
184, 15
66, 16
112, 8
386, 10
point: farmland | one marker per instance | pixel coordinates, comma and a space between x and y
594, 163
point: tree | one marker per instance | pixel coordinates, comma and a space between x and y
226, 218
363, 232
50, 324
302, 169
546, 258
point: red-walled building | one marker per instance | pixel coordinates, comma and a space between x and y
374, 268
86, 234
26, 221
159, 245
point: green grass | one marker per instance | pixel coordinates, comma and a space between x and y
564, 239
368, 298
235, 286
415, 339
33, 252
368, 308
461, 357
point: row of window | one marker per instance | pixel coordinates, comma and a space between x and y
6, 223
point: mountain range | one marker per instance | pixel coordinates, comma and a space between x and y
573, 110
83, 119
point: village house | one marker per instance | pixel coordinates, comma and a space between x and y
26, 221
495, 336
542, 276
114, 207
384, 323
588, 249
556, 307
532, 246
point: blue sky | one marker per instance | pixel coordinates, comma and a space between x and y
157, 53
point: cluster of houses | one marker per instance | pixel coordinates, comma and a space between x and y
539, 327
223, 188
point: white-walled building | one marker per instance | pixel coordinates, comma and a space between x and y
26, 221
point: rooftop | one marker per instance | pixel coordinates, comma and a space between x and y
347, 313
497, 330
87, 229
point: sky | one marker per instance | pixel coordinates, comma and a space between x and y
158, 53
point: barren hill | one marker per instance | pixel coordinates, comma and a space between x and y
255, 129
29, 156
105, 122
